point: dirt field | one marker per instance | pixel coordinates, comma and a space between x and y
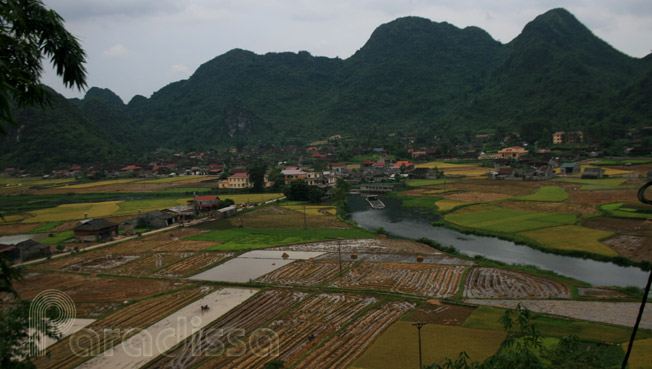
497, 283
619, 313
150, 263
89, 288
274, 217
353, 340
305, 272
360, 246
427, 280
8, 229
475, 197
248, 317
193, 264
638, 227
94, 310
511, 188
550, 207
304, 327
440, 259
435, 312
632, 247
138, 315
167, 332
595, 198
600, 293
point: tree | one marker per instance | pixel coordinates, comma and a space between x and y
30, 32
15, 323
523, 349
257, 170
300, 191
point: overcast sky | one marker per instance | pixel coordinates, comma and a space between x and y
136, 47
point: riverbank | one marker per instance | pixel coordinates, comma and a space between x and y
412, 224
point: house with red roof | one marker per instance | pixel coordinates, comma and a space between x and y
337, 167
403, 164
205, 203
129, 169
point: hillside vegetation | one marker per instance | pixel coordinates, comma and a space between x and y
412, 75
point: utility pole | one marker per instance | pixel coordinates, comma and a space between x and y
339, 253
419, 325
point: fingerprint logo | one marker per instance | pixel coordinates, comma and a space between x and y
51, 307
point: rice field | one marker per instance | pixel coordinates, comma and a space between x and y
445, 165
74, 211
546, 193
618, 210
426, 182
486, 317
100, 183
246, 238
312, 209
251, 197
493, 218
397, 348
596, 184
100, 209
570, 237
446, 204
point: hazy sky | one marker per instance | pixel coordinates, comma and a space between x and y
136, 47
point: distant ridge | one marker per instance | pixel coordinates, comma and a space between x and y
412, 75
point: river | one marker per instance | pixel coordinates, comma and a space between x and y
411, 224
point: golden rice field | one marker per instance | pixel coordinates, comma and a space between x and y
570, 237
74, 211
100, 209
117, 208
446, 205
640, 358
444, 165
312, 209
251, 197
178, 179
396, 347
101, 183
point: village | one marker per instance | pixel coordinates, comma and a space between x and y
278, 241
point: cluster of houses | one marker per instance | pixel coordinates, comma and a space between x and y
99, 230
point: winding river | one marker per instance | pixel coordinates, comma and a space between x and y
411, 224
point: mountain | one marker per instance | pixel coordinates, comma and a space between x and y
412, 75
56, 135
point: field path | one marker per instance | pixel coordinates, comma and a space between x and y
619, 313
166, 333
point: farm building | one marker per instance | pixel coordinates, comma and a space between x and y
25, 250
504, 173
593, 173
94, 230
157, 219
570, 168
226, 212
539, 174
424, 173
205, 203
